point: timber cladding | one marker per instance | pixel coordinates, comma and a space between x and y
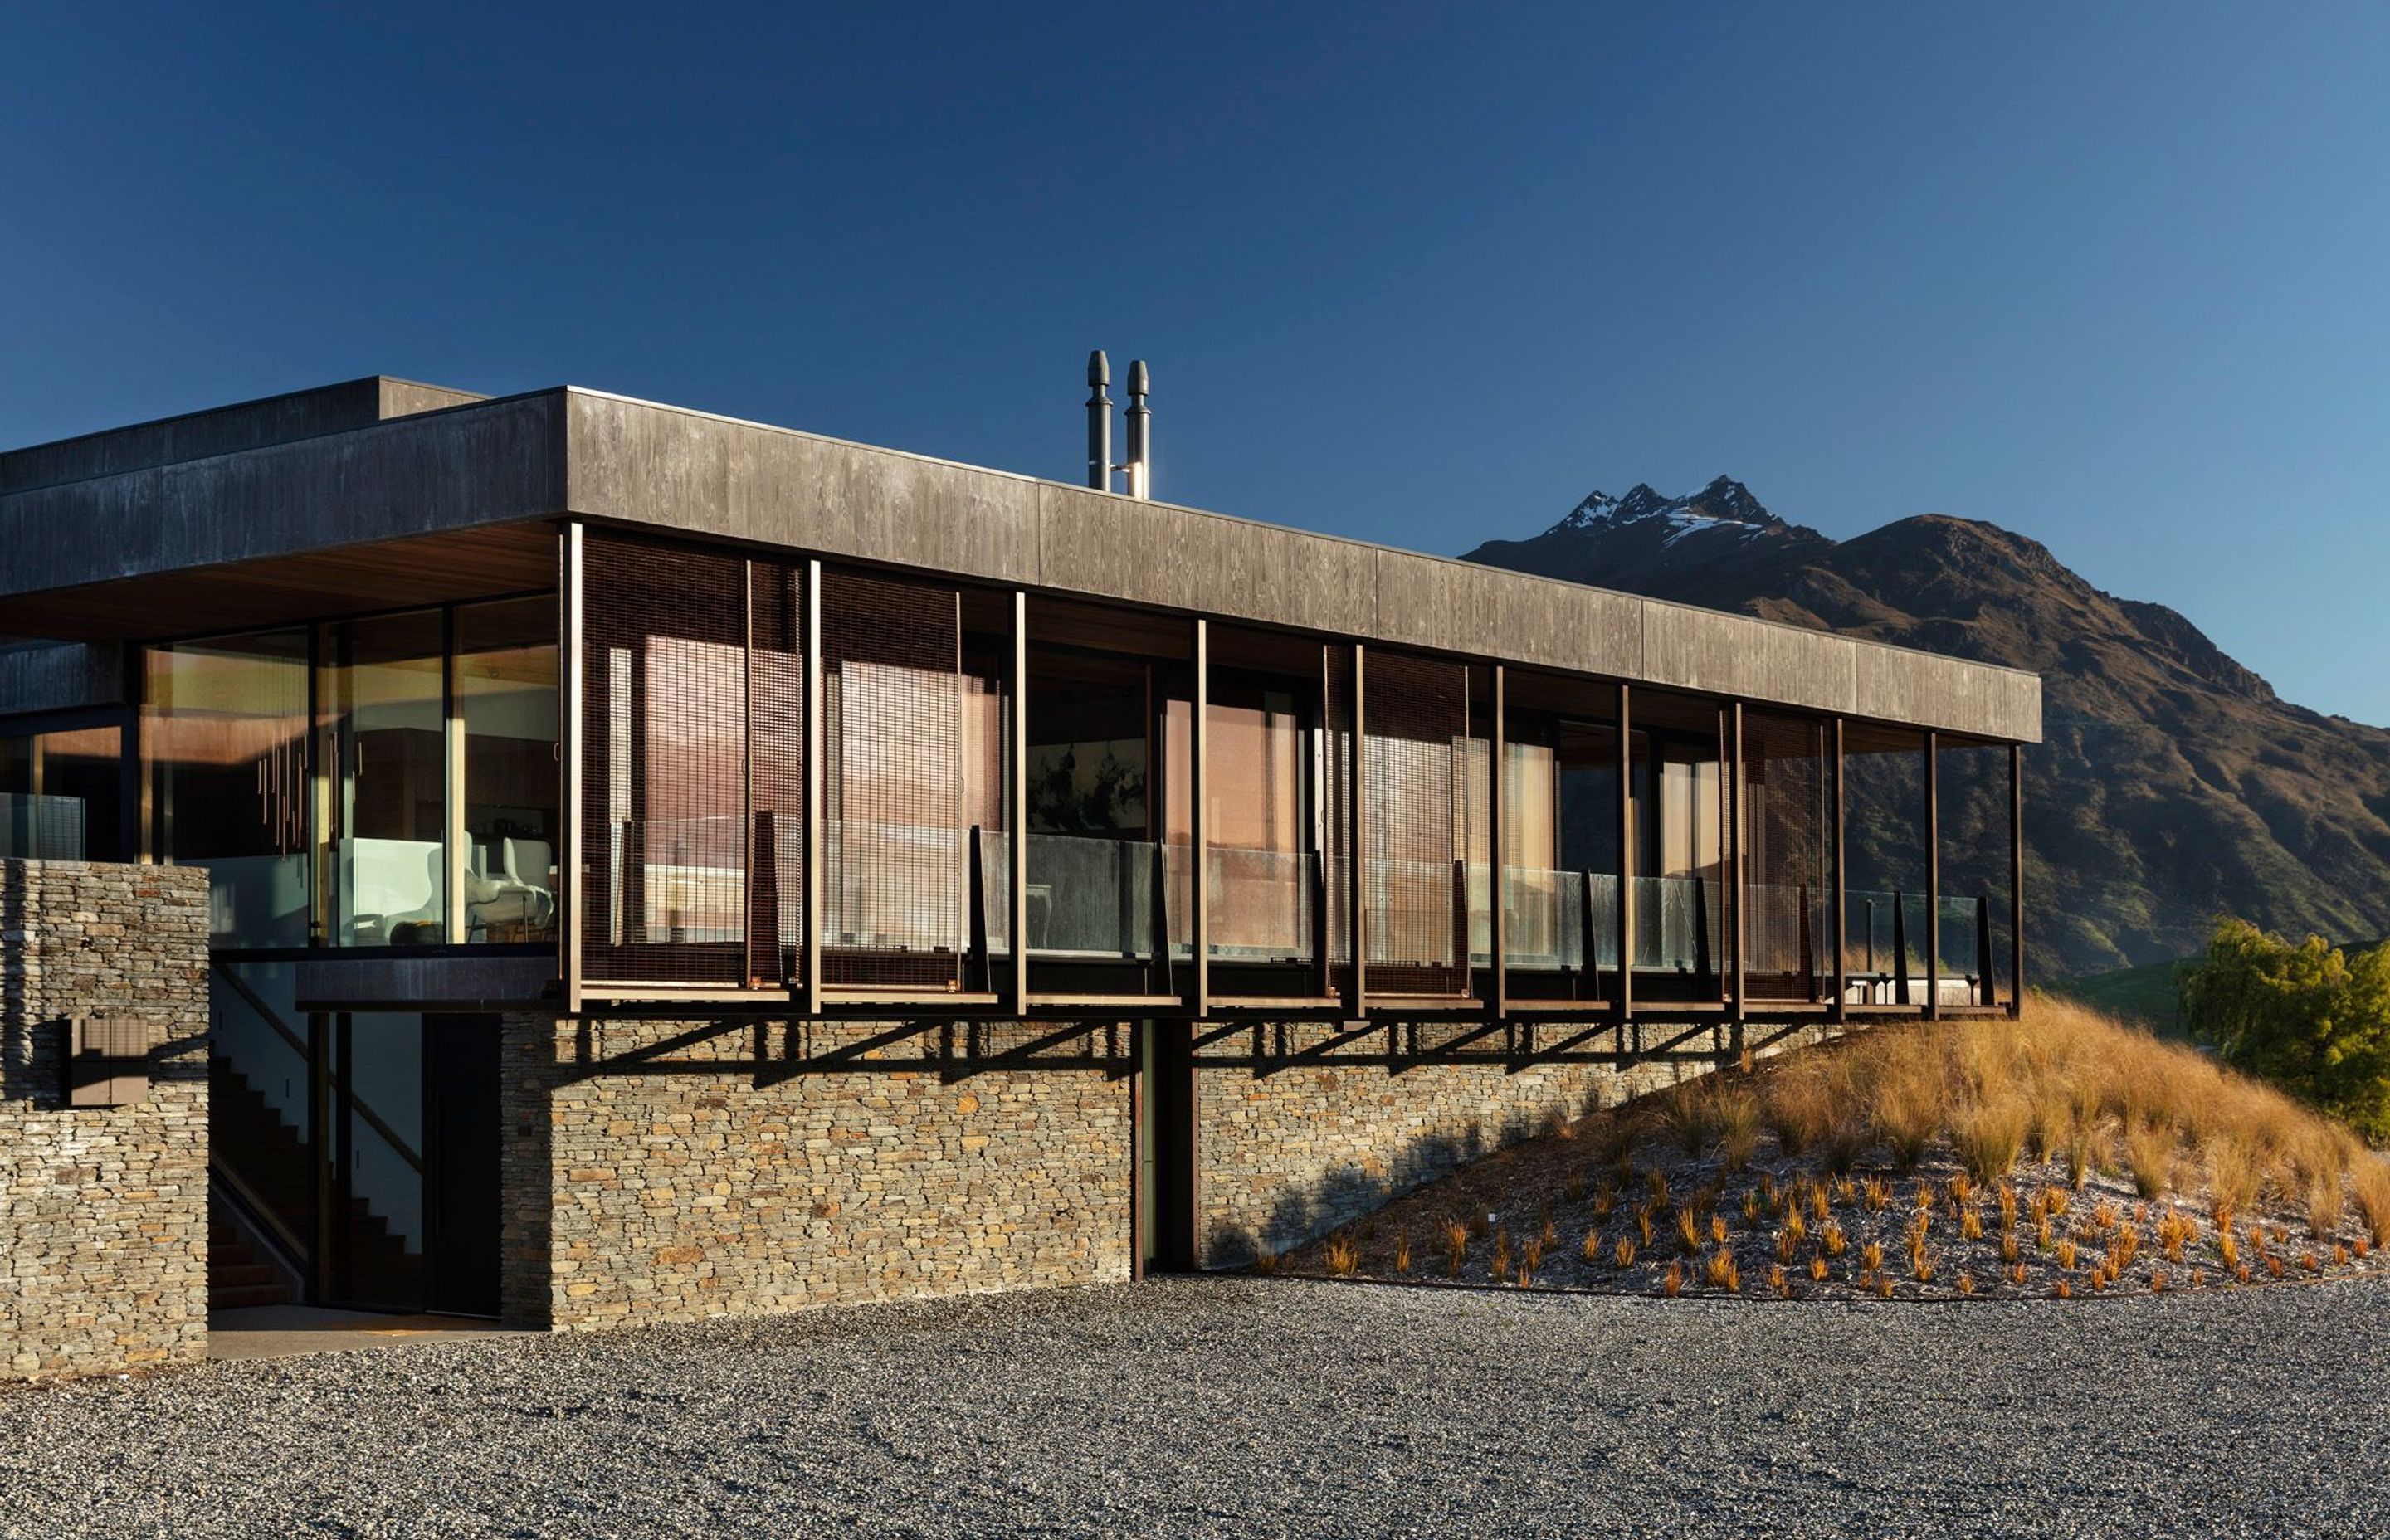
103, 1209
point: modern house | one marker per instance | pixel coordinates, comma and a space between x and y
658, 865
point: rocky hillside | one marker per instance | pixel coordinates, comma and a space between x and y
2174, 784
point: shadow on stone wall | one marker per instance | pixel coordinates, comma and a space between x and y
1352, 1189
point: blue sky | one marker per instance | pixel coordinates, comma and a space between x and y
2111, 276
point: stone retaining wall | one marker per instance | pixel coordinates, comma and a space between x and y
674, 1169
105, 1221
666, 1171
1304, 1128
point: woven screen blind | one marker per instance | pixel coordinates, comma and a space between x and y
1416, 821
894, 845
663, 762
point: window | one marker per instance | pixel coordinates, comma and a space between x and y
62, 795
229, 783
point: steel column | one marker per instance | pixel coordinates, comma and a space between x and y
567, 921
809, 950
2016, 878
1198, 820
1842, 886
1497, 871
1741, 891
1933, 876
1357, 990
452, 772
1016, 806
1626, 858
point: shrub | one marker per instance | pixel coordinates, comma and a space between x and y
1990, 1135
1342, 1254
2372, 1183
1685, 1113
2148, 1151
2306, 1017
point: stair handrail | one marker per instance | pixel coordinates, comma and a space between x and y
287, 1248
373, 1118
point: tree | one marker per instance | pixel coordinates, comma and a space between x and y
2307, 1017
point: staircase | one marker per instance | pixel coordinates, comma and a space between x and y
239, 1274
250, 1140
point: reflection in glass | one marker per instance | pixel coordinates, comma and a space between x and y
381, 701
61, 795
228, 734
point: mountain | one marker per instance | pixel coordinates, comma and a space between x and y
2173, 784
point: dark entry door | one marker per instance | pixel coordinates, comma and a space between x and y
460, 1093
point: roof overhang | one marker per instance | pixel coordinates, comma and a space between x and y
457, 502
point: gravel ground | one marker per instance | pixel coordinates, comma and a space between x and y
1268, 1407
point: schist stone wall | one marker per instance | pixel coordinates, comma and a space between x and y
1304, 1128
667, 1171
104, 1230
674, 1169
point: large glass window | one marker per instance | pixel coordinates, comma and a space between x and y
1089, 780
227, 746
1559, 836
1677, 761
1884, 914
62, 795
381, 703
1788, 876
503, 685
1975, 915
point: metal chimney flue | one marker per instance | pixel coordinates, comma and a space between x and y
1140, 433
1100, 422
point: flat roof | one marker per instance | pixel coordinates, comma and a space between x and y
446, 495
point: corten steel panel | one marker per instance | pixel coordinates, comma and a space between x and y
44, 679
1460, 607
488, 463
1723, 654
223, 431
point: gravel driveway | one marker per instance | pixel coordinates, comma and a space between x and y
1254, 1406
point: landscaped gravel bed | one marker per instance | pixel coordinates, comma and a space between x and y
1269, 1406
